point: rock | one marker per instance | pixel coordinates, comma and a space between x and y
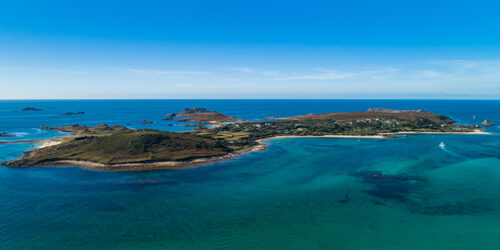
75, 113
146, 122
171, 115
4, 134
30, 109
168, 118
487, 123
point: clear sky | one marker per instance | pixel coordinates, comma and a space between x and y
249, 49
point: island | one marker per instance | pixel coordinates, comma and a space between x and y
487, 123
105, 147
203, 115
30, 109
5, 134
74, 113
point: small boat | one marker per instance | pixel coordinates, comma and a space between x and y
442, 145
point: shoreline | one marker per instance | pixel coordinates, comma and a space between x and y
191, 163
475, 132
145, 166
324, 136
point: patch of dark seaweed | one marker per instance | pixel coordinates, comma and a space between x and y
390, 187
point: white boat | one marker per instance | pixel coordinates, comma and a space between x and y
442, 145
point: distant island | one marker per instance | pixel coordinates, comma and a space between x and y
202, 115
74, 113
5, 134
30, 109
116, 147
487, 123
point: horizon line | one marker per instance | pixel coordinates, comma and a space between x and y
166, 99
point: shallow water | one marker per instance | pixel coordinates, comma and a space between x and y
308, 193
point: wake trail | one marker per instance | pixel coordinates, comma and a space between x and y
452, 153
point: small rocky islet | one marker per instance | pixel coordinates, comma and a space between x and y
5, 134
30, 109
74, 113
487, 123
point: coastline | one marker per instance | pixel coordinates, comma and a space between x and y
325, 136
475, 132
49, 142
144, 166
191, 163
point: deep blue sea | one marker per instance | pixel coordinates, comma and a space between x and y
307, 193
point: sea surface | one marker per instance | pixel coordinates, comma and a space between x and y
307, 193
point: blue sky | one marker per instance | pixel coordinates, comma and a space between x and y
249, 49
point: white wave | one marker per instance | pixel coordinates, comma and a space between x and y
445, 149
20, 134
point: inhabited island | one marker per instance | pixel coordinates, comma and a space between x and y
116, 147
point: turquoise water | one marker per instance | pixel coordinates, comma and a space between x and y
307, 193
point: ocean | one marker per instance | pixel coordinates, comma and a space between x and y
301, 193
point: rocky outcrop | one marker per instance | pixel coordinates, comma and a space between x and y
487, 123
5, 134
74, 113
30, 109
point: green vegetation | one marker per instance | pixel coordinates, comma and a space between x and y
117, 144
79, 129
128, 146
203, 115
354, 123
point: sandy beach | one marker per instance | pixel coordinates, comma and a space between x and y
325, 136
475, 132
48, 143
